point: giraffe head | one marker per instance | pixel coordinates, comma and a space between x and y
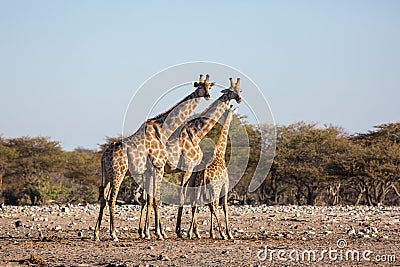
233, 92
203, 87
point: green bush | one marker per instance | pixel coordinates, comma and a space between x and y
39, 191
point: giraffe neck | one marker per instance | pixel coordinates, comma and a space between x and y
220, 147
174, 117
206, 120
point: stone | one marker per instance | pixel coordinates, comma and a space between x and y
352, 231
64, 209
163, 258
80, 234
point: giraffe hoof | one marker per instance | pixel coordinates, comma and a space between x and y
165, 235
115, 239
179, 235
141, 234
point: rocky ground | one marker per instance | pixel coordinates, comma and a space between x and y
264, 236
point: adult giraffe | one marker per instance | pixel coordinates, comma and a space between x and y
142, 149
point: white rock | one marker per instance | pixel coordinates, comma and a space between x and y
352, 231
163, 258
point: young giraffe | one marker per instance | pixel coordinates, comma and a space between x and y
183, 150
145, 147
214, 178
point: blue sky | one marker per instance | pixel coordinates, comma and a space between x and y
68, 69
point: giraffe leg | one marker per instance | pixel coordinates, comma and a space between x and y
149, 183
111, 206
192, 223
143, 204
163, 233
112, 200
159, 173
196, 228
148, 214
216, 214
103, 203
212, 233
184, 179
225, 207
197, 201
195, 224
142, 218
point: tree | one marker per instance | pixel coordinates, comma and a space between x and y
377, 164
303, 159
7, 155
32, 158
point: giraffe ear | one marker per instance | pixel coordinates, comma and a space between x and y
195, 84
235, 111
225, 91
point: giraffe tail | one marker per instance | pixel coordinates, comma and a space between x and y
102, 187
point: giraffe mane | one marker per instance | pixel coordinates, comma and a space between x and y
166, 113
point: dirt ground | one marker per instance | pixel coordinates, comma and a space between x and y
264, 236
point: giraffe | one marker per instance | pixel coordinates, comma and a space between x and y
143, 148
214, 178
183, 150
